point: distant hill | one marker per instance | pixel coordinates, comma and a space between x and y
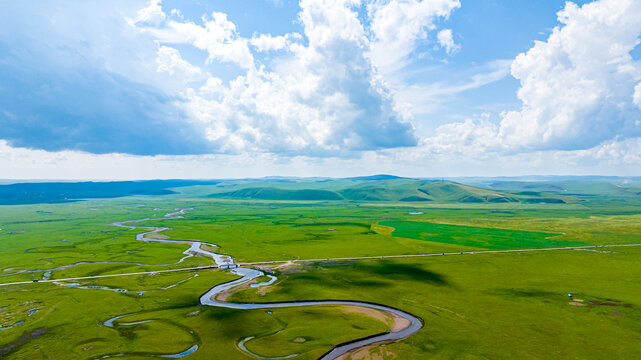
57, 192
375, 177
388, 190
612, 187
270, 193
378, 188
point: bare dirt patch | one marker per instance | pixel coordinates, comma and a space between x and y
211, 248
574, 303
156, 236
367, 353
197, 254
396, 322
223, 296
376, 314
400, 323
289, 267
263, 290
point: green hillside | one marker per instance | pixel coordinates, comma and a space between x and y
610, 187
270, 193
386, 190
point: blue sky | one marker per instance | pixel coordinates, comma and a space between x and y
207, 89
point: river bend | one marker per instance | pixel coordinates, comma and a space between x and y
248, 274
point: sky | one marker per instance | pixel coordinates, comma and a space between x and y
128, 89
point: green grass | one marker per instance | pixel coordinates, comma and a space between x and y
320, 327
474, 236
496, 306
269, 193
500, 306
73, 321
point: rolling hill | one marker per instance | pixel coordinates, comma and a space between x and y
58, 192
387, 190
271, 193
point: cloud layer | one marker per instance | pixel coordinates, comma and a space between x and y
65, 84
134, 77
579, 89
68, 85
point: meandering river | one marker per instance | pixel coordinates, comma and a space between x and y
248, 274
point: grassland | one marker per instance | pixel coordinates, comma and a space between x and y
474, 236
498, 306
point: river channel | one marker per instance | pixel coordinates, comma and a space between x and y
248, 274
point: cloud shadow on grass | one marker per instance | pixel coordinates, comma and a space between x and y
403, 272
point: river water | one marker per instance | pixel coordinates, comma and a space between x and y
247, 275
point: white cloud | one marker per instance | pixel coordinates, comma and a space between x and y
321, 98
577, 87
217, 36
577, 90
446, 40
177, 13
151, 15
170, 61
266, 42
332, 92
398, 29
614, 158
397, 25
618, 152
470, 138
317, 93
637, 95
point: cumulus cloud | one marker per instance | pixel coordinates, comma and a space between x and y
217, 36
169, 60
397, 25
327, 91
473, 137
152, 14
319, 92
577, 87
266, 42
446, 40
319, 98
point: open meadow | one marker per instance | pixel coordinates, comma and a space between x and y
473, 302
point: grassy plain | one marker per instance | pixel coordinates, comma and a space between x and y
492, 306
499, 306
481, 237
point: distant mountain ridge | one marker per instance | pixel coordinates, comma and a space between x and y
394, 189
375, 188
57, 192
376, 177
271, 193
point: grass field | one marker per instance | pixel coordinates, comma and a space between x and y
498, 306
474, 236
